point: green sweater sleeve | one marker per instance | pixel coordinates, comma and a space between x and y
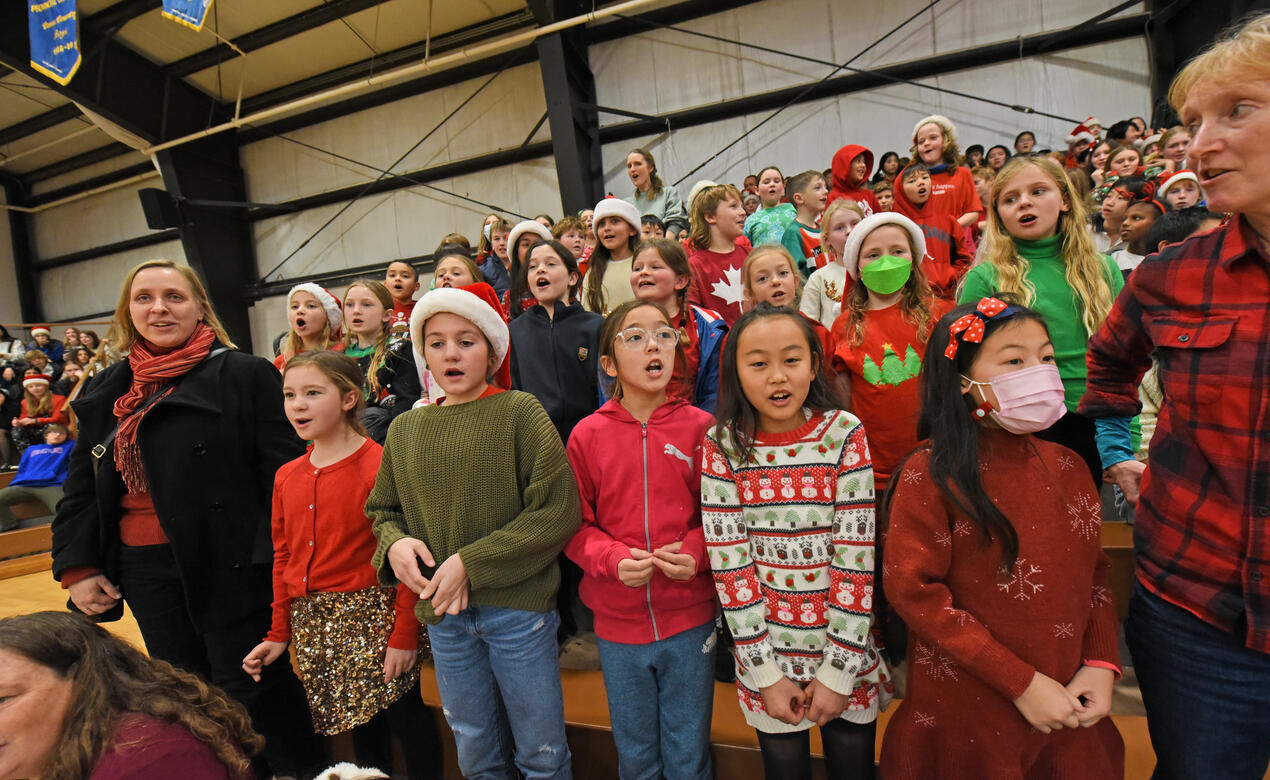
383, 507
979, 282
551, 515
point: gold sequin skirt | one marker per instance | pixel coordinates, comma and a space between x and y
339, 639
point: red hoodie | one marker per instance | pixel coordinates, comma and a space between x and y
845, 186
948, 255
640, 487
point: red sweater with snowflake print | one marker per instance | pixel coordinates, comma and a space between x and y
977, 633
789, 534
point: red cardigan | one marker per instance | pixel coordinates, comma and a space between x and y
322, 539
976, 635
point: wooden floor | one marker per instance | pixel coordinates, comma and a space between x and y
38, 591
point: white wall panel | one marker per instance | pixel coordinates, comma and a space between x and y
72, 291
403, 223
1107, 80
91, 222
499, 117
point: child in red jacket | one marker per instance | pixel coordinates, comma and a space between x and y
642, 551
947, 255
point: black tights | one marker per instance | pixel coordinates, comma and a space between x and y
409, 720
848, 752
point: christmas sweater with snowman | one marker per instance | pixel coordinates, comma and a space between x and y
789, 533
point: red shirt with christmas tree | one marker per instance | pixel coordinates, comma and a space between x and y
883, 370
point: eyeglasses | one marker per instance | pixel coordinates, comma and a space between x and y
664, 337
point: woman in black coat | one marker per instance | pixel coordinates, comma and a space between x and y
167, 502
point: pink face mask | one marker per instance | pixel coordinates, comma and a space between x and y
1029, 400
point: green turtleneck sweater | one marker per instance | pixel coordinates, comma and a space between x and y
487, 480
1054, 301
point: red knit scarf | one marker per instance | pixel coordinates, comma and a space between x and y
150, 372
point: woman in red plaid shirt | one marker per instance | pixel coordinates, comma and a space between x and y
1199, 622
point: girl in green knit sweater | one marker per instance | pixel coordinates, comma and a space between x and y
1038, 249
473, 501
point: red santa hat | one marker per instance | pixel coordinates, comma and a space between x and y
855, 239
330, 305
1167, 182
33, 377
476, 303
1091, 121
38, 329
1082, 134
616, 207
1143, 143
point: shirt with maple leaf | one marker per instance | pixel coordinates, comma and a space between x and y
789, 534
716, 282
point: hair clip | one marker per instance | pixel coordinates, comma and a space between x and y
971, 326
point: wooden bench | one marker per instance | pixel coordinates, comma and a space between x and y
25, 551
734, 744
1117, 542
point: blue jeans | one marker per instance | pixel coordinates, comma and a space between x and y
1205, 693
500, 692
661, 697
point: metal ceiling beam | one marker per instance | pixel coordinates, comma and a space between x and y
441, 44
100, 154
261, 37
569, 90
115, 82
20, 242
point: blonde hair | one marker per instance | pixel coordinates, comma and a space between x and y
127, 331
826, 219
380, 354
707, 202
1085, 268
1242, 50
761, 251
293, 345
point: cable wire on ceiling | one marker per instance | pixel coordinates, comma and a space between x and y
388, 172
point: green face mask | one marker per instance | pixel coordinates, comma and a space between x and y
886, 274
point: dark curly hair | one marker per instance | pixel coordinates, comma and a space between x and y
110, 679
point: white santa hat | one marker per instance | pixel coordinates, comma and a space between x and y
1091, 121
616, 207
330, 305
1143, 143
851, 250
528, 226
476, 303
697, 189
945, 124
1174, 178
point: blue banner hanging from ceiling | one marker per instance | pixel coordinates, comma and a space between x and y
191, 13
54, 33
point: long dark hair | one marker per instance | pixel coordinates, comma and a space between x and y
520, 275
111, 679
953, 434
734, 413
598, 265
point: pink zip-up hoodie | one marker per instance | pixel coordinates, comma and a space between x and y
640, 486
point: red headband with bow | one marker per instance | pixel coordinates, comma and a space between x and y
970, 327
